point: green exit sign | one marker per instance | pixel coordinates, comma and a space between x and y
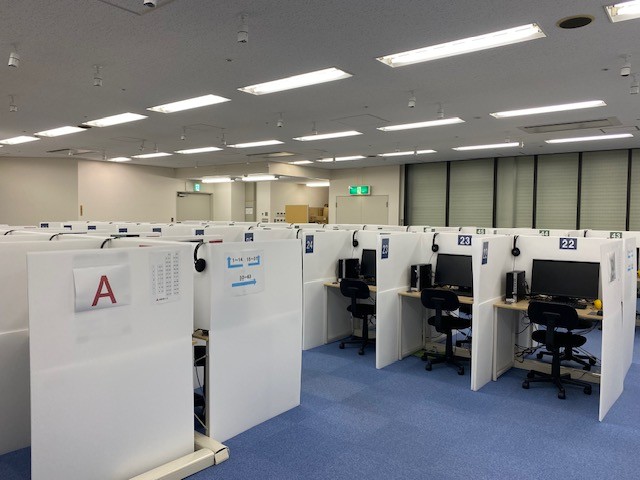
359, 190
196, 187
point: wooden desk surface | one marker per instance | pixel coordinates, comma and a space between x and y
588, 313
462, 299
372, 288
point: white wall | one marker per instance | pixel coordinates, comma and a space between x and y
35, 188
383, 180
287, 193
126, 192
228, 201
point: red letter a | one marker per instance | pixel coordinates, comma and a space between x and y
104, 282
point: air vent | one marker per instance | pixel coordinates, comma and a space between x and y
564, 127
361, 121
624, 129
72, 151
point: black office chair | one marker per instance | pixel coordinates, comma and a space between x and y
447, 301
555, 316
358, 290
572, 354
200, 360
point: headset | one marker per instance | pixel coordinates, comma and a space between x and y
199, 263
515, 251
434, 246
354, 240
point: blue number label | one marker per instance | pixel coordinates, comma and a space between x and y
248, 236
385, 248
568, 243
464, 240
308, 244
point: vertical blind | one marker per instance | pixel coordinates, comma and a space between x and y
603, 204
426, 193
557, 191
634, 210
514, 203
471, 193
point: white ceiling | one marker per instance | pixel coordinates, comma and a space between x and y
187, 48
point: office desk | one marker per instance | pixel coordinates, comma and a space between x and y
412, 328
337, 319
509, 329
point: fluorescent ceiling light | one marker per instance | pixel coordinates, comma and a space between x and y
301, 162
297, 81
119, 159
217, 180
465, 45
17, 140
430, 123
623, 11
258, 178
153, 155
189, 103
115, 120
262, 143
198, 150
326, 136
342, 159
549, 109
412, 152
317, 184
325, 160
588, 139
486, 147
56, 132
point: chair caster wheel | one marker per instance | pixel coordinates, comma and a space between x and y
525, 385
592, 361
424, 357
587, 390
428, 366
562, 395
587, 368
460, 370
530, 375
539, 355
341, 346
361, 351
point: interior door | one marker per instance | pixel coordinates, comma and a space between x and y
371, 210
348, 209
193, 206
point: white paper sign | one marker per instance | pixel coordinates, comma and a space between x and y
165, 276
101, 287
244, 272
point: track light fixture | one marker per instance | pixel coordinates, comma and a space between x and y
314, 130
141, 148
183, 137
14, 58
243, 29
635, 85
12, 106
440, 111
412, 100
280, 123
625, 71
97, 76
223, 139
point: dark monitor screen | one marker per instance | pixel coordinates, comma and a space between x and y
368, 263
454, 270
560, 278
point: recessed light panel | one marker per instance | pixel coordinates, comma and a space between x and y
198, 150
589, 139
301, 162
620, 12
262, 143
56, 132
488, 147
217, 180
17, 140
465, 45
410, 152
297, 81
327, 136
549, 109
153, 155
189, 103
429, 123
115, 120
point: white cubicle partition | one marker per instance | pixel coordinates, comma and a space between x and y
249, 297
630, 293
344, 226
121, 362
387, 228
320, 254
419, 228
14, 336
264, 234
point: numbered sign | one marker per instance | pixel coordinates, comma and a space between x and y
91, 227
615, 234
248, 236
122, 230
464, 240
199, 231
568, 243
543, 233
155, 229
485, 252
481, 231
385, 249
308, 244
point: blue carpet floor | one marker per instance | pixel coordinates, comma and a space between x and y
403, 422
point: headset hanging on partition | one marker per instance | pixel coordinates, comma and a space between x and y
515, 251
354, 240
199, 263
434, 245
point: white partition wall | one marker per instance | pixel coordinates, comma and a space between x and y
253, 311
629, 306
387, 228
111, 361
321, 251
264, 234
14, 336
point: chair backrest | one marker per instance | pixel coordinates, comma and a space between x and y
553, 315
439, 299
354, 289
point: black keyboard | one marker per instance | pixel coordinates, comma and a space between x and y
576, 305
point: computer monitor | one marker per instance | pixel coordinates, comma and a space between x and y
564, 279
368, 264
455, 271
